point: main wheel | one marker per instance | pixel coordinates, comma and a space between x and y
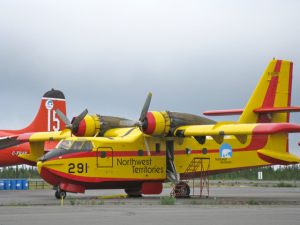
133, 192
182, 190
59, 194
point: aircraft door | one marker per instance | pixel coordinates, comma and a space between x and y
104, 157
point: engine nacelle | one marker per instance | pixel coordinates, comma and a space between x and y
164, 123
96, 125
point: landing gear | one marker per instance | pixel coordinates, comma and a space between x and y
182, 190
133, 192
59, 194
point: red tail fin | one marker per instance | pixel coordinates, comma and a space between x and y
46, 118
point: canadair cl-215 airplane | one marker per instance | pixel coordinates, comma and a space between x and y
45, 120
162, 144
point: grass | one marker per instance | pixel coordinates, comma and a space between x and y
282, 184
167, 200
253, 202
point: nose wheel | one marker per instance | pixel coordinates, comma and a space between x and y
59, 194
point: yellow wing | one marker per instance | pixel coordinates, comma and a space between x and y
37, 141
239, 130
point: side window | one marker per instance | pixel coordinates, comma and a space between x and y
77, 145
87, 146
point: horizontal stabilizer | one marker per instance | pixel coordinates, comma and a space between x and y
230, 112
277, 109
226, 112
282, 158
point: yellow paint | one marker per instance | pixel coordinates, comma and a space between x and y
160, 123
90, 126
153, 167
258, 96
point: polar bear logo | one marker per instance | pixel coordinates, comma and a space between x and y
225, 151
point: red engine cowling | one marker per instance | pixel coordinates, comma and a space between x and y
164, 123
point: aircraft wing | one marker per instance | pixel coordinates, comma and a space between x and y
9, 141
44, 136
219, 130
37, 141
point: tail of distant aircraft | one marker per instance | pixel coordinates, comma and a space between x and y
271, 98
46, 119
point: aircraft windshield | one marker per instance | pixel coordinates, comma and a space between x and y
75, 145
64, 144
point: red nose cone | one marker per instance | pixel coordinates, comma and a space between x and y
81, 128
151, 123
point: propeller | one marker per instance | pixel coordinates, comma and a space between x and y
74, 124
142, 122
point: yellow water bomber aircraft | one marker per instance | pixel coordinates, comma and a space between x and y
116, 153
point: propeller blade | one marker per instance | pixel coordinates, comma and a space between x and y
63, 118
145, 107
77, 120
147, 145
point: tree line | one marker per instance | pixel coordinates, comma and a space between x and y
269, 173
19, 172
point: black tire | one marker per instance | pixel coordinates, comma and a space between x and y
133, 192
182, 190
60, 194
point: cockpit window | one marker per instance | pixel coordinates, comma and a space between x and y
87, 146
64, 144
75, 145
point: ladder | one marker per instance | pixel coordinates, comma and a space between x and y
198, 168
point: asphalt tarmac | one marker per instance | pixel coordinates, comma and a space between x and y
226, 205
162, 215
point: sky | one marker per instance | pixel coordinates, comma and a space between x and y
106, 56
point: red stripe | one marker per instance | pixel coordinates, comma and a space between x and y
273, 160
277, 66
270, 94
151, 123
273, 128
290, 89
